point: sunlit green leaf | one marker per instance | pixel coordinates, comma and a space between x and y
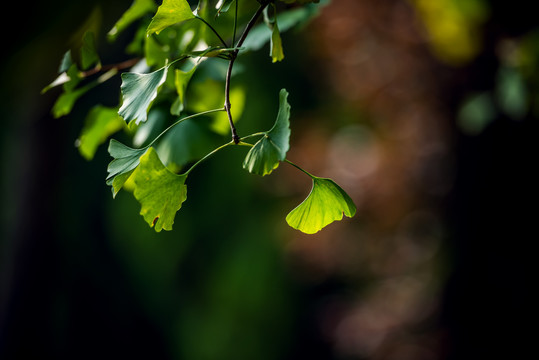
170, 13
326, 203
138, 91
271, 149
138, 9
160, 192
100, 123
125, 160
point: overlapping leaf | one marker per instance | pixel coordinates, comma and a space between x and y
170, 13
266, 154
326, 203
125, 160
160, 192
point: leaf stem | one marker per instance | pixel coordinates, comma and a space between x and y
299, 168
207, 156
182, 120
212, 29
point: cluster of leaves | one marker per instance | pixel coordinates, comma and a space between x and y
181, 64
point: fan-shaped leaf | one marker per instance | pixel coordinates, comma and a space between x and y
170, 13
159, 191
138, 91
266, 154
326, 203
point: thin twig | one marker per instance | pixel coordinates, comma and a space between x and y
233, 55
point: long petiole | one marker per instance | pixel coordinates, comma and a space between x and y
208, 156
300, 169
182, 120
213, 29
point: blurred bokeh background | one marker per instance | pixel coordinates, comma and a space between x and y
424, 111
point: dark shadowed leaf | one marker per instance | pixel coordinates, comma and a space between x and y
138, 91
125, 160
266, 154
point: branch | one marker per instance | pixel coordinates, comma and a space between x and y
234, 54
119, 66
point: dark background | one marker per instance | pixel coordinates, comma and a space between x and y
437, 264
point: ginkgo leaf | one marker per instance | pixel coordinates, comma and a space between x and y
160, 192
125, 160
266, 154
326, 203
138, 92
170, 13
138, 9
100, 123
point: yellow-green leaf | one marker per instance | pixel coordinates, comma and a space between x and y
170, 13
159, 191
326, 203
